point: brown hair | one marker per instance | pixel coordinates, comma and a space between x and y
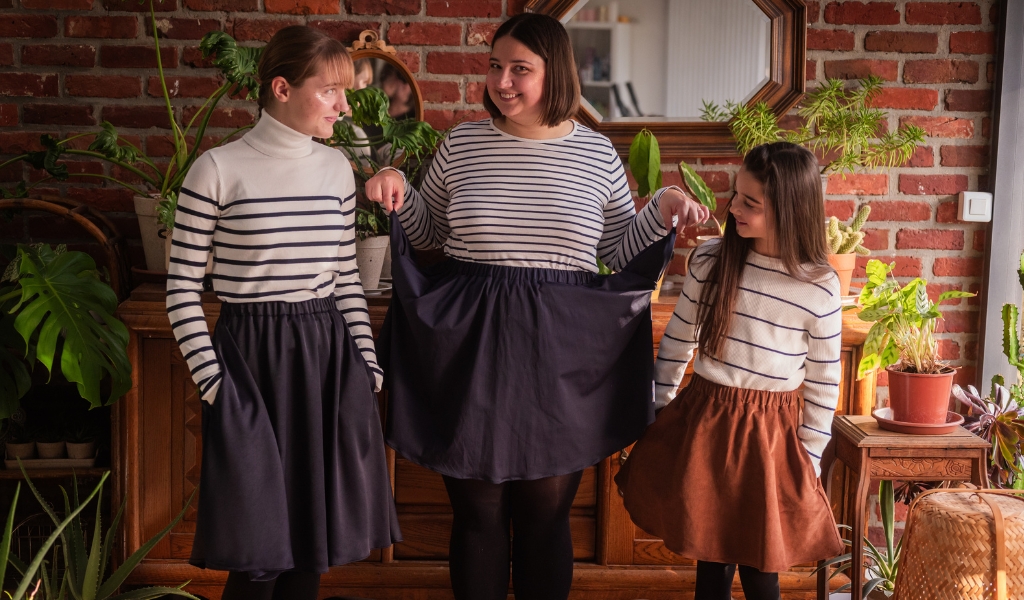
792, 191
546, 38
297, 53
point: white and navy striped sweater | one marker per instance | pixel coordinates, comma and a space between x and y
278, 212
784, 332
491, 197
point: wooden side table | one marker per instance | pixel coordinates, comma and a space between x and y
874, 453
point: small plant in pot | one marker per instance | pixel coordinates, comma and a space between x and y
81, 439
902, 342
50, 444
844, 246
372, 243
20, 438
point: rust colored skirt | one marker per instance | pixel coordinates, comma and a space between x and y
721, 476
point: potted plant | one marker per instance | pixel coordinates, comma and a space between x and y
844, 245
80, 438
55, 309
156, 196
20, 440
372, 242
49, 445
902, 342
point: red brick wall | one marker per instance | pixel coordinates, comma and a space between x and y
66, 65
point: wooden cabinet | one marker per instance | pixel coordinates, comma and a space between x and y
157, 452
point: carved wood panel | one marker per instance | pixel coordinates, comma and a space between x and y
939, 469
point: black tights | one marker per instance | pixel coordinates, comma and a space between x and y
290, 585
541, 544
714, 582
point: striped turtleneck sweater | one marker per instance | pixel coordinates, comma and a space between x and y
278, 213
491, 197
784, 333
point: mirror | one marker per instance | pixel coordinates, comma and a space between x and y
376, 65
654, 63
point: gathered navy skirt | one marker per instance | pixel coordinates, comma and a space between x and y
503, 373
293, 469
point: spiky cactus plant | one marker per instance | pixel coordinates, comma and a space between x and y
844, 239
1012, 343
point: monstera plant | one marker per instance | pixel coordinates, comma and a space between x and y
54, 308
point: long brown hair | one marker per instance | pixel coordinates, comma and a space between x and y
792, 191
546, 38
297, 53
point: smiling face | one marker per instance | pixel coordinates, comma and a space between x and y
515, 81
750, 211
311, 107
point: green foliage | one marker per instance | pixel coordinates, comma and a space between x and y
58, 299
238, 64
904, 322
697, 186
373, 222
997, 419
844, 239
645, 162
836, 120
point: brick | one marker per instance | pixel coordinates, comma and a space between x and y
184, 87
57, 4
986, 127
101, 27
858, 183
193, 57
813, 9
183, 29
224, 117
28, 26
947, 212
906, 98
481, 33
16, 142
678, 264
81, 143
27, 84
411, 60
457, 63
440, 91
425, 34
943, 13
141, 7
924, 156
958, 267
904, 42
475, 91
345, 31
945, 127
728, 160
223, 5
964, 156
972, 42
940, 71
862, 13
936, 185
812, 70
718, 181
485, 9
859, 68
876, 239
990, 72
958, 321
965, 375
906, 266
383, 7
932, 239
136, 116
303, 7
113, 199
840, 209
78, 55
137, 57
969, 100
74, 167
8, 115
58, 114
442, 119
261, 30
6, 55
948, 349
900, 210
103, 86
163, 145
980, 239
830, 39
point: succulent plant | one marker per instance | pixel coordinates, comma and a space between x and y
844, 239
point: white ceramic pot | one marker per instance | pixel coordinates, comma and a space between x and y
370, 258
24, 451
80, 450
385, 272
51, 449
149, 226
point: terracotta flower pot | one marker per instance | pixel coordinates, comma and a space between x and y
844, 265
919, 397
51, 449
22, 450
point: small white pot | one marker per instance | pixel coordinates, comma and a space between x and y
24, 451
51, 449
80, 450
370, 258
152, 244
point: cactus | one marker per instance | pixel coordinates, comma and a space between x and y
844, 239
1012, 341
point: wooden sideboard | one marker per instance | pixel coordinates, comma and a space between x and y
157, 449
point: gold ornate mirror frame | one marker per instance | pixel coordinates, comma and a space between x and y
369, 45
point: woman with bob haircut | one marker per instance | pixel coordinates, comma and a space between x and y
294, 478
513, 365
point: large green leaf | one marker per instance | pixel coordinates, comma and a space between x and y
645, 162
47, 159
63, 298
107, 144
369, 106
697, 185
238, 64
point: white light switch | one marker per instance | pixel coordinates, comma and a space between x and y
975, 206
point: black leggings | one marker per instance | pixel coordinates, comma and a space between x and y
541, 544
290, 585
714, 582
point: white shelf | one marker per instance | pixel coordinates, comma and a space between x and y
599, 25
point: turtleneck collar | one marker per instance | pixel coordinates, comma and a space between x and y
273, 138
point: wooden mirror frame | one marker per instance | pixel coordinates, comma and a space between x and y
692, 139
369, 45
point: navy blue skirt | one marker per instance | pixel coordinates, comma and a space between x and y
293, 469
504, 373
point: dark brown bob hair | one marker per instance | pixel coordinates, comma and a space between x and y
297, 53
546, 38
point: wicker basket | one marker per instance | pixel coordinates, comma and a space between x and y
963, 545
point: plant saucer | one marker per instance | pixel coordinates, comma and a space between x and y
885, 421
